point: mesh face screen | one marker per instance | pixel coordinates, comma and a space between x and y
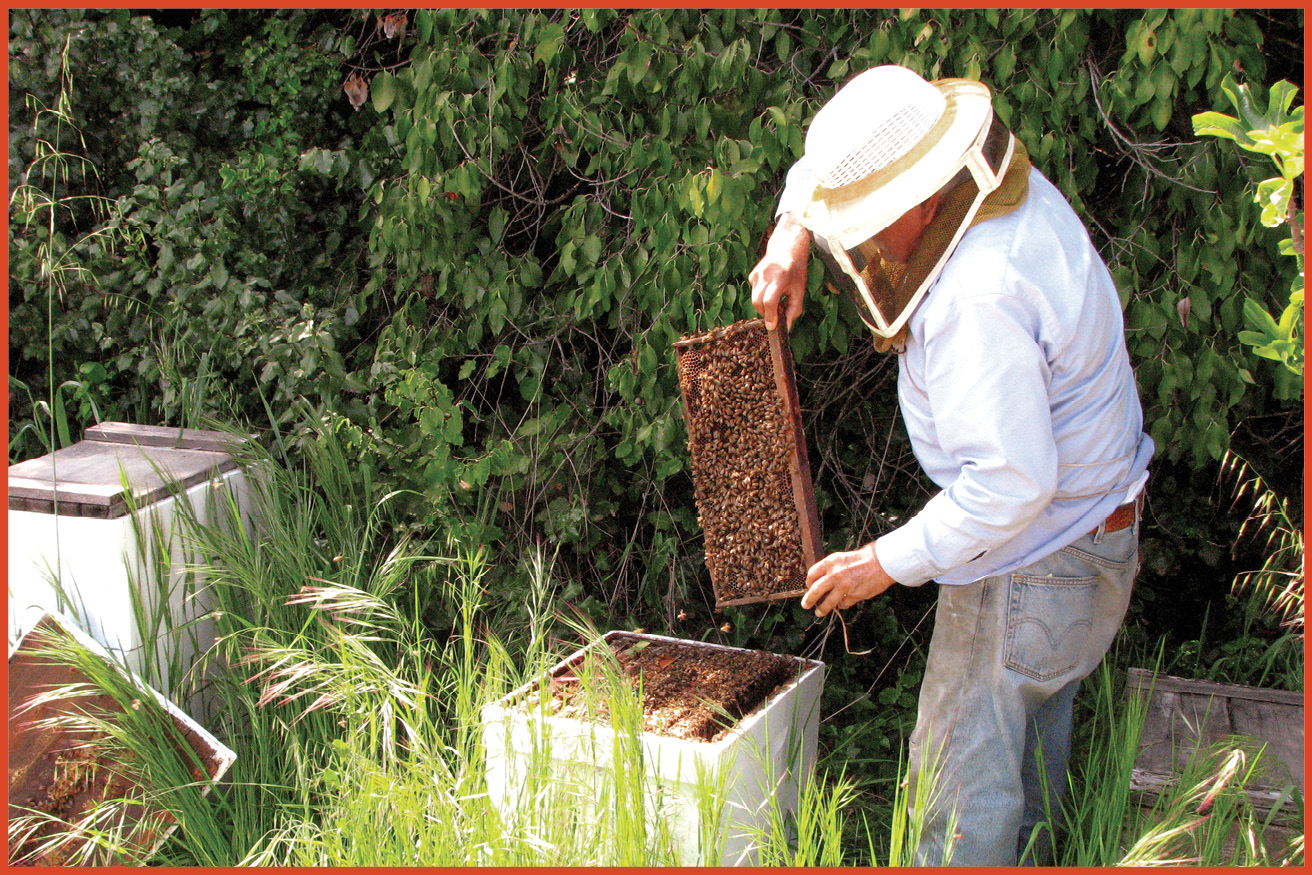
892, 284
741, 439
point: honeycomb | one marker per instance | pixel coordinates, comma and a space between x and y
750, 474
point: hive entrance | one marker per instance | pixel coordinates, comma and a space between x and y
750, 473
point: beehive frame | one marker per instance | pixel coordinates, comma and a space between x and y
751, 476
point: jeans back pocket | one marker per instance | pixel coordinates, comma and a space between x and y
1049, 620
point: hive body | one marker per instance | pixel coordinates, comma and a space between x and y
750, 473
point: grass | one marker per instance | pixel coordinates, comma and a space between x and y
359, 735
1194, 822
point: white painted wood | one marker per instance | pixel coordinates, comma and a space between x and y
85, 567
217, 757
765, 758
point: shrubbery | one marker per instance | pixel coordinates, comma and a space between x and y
476, 276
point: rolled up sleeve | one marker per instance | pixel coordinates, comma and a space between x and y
798, 186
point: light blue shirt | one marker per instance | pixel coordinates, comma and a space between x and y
1018, 397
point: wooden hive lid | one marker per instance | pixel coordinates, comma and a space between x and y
88, 478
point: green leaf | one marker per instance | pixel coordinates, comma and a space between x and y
1218, 124
592, 248
383, 91
1259, 319
61, 421
1273, 195
696, 202
550, 39
639, 61
496, 225
714, 185
423, 74
1146, 46
647, 361
1162, 112
530, 273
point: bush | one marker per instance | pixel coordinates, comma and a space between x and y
476, 275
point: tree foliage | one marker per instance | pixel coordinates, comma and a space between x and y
1278, 134
468, 238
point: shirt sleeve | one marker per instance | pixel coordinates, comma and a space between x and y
798, 186
986, 378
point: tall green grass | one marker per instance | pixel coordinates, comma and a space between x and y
1204, 819
359, 738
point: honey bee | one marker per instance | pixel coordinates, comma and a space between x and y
739, 439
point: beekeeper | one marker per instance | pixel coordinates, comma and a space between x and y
1017, 393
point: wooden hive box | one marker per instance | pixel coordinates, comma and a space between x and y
760, 763
86, 524
1184, 715
58, 767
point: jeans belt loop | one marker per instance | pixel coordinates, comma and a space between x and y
1137, 504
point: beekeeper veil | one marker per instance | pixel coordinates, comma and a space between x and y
887, 141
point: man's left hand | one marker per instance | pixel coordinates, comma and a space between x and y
840, 580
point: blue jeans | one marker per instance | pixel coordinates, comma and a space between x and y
1005, 661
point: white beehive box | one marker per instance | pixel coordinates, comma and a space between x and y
71, 520
761, 762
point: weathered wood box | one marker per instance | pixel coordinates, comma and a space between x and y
1184, 715
94, 533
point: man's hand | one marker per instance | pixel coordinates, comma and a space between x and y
840, 580
782, 271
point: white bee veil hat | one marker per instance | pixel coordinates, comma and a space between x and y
887, 141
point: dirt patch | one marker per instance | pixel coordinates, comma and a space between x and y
689, 691
60, 770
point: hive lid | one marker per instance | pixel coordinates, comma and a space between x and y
88, 477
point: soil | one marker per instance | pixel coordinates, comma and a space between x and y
65, 771
75, 780
690, 692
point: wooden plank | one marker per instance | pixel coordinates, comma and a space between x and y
98, 500
1142, 678
781, 357
1280, 726
88, 478
1184, 715
162, 436
757, 599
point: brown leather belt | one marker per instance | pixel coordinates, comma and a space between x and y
1121, 518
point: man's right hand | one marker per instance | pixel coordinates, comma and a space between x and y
781, 273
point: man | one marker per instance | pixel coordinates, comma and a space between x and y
1017, 393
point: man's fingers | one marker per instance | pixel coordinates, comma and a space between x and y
796, 302
833, 601
765, 294
817, 589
